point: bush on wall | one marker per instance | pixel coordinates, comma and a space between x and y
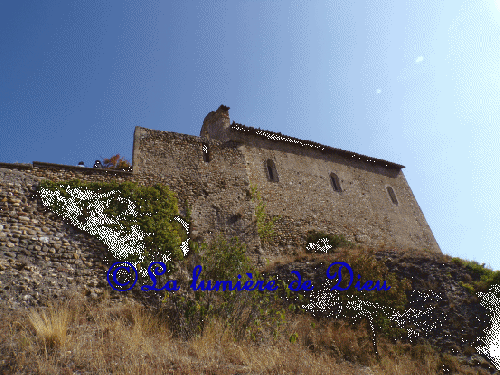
135, 222
249, 314
265, 225
320, 242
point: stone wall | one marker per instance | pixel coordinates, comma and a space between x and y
306, 199
217, 191
302, 191
42, 256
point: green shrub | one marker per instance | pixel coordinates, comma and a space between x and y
265, 225
478, 268
468, 287
223, 259
334, 240
253, 314
487, 290
457, 261
155, 207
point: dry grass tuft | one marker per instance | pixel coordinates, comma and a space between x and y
51, 327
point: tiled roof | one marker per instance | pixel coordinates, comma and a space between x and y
283, 138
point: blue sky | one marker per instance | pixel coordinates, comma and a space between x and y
415, 83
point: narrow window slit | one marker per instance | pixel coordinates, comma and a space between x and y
272, 173
392, 194
206, 155
334, 179
270, 170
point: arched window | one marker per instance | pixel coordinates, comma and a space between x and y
272, 173
334, 179
206, 155
391, 193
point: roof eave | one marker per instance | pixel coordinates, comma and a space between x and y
278, 137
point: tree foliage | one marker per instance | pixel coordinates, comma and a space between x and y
116, 162
137, 223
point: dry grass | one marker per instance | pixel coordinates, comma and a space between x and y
110, 338
106, 337
50, 329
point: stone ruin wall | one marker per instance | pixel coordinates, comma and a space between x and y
304, 196
41, 255
362, 211
217, 191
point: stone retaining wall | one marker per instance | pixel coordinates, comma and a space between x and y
41, 256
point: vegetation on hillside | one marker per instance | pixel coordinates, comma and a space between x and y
333, 241
371, 306
240, 333
487, 290
248, 314
127, 209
